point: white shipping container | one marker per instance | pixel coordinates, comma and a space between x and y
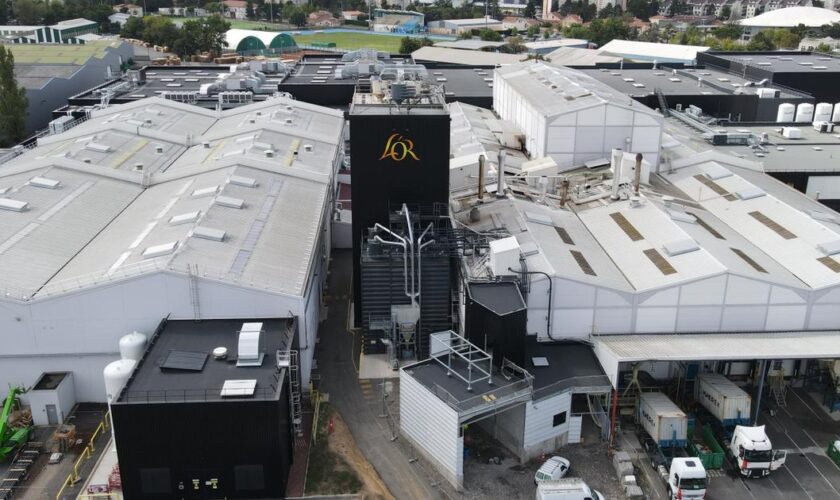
723, 398
662, 419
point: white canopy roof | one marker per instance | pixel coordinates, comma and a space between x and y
812, 17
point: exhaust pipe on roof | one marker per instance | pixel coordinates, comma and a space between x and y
615, 163
500, 183
637, 177
481, 174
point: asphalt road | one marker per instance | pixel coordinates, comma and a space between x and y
337, 349
804, 430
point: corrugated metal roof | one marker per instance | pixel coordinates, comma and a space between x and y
721, 346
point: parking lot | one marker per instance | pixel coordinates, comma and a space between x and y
804, 430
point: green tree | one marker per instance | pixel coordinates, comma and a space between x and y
761, 41
606, 12
533, 31
249, 10
4, 12
29, 12
298, 18
13, 101
213, 7
489, 35
823, 48
832, 30
530, 9
409, 44
726, 12
133, 28
729, 30
159, 30
514, 45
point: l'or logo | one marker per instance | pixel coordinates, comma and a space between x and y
398, 148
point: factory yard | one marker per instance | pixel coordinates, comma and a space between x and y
803, 429
352, 41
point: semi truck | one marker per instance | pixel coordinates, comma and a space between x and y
666, 436
749, 446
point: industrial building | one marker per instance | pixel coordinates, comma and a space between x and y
814, 73
71, 32
52, 73
716, 93
571, 117
222, 387
253, 42
209, 86
661, 53
163, 209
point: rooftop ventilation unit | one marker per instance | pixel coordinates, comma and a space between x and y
226, 201
816, 215
160, 250
159, 149
138, 167
248, 352
208, 233
269, 153
681, 216
206, 144
86, 160
238, 388
750, 193
830, 247
538, 218
185, 218
43, 182
680, 247
715, 172
13, 205
99, 148
208, 191
243, 181
307, 148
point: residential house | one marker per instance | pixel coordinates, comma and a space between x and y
119, 18
323, 19
519, 23
351, 15
236, 9
811, 44
130, 9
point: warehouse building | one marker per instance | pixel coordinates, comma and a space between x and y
253, 42
814, 73
52, 73
716, 93
163, 209
232, 418
653, 52
71, 32
571, 117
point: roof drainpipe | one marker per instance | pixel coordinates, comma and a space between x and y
481, 174
615, 162
410, 249
637, 178
564, 191
500, 184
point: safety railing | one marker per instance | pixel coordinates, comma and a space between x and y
74, 477
315, 398
185, 395
586, 383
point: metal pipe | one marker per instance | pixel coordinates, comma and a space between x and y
481, 174
637, 177
616, 160
403, 245
411, 248
550, 302
564, 192
421, 246
500, 183
762, 372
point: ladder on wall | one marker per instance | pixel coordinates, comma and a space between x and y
663, 104
192, 271
294, 393
778, 388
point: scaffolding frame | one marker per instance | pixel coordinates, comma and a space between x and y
456, 345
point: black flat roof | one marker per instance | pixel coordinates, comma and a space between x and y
49, 381
433, 375
566, 361
501, 297
783, 62
150, 382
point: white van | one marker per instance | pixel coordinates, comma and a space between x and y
551, 469
571, 488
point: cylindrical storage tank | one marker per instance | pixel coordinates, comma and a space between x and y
835, 117
132, 346
116, 375
786, 113
822, 113
663, 420
724, 399
804, 113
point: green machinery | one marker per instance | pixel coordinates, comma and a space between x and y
11, 439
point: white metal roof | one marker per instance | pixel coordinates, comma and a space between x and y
720, 346
649, 50
458, 56
812, 17
262, 212
574, 56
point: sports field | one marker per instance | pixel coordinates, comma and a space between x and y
346, 40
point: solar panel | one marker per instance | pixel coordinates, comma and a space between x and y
660, 262
184, 360
626, 226
775, 226
830, 263
583, 263
755, 265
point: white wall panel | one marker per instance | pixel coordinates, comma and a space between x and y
746, 291
564, 119
827, 185
570, 323
609, 298
656, 319
708, 291
618, 116
646, 120
570, 294
432, 427
539, 418
781, 318
831, 296
781, 295
614, 137
667, 297
589, 140
592, 116
561, 140
613, 320
645, 139
698, 319
824, 317
744, 318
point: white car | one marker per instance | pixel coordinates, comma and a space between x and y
552, 469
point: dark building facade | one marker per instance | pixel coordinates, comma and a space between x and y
496, 319
180, 436
400, 155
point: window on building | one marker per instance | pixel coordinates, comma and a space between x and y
560, 419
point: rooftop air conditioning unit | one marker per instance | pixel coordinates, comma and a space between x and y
138, 167
248, 353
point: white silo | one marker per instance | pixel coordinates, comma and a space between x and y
786, 113
804, 113
132, 346
822, 113
116, 375
835, 117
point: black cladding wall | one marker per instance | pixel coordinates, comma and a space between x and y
504, 334
399, 158
177, 450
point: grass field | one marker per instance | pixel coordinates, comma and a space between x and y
344, 40
243, 24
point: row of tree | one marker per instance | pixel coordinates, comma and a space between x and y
13, 102
38, 12
205, 34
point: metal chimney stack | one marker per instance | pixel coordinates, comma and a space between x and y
637, 177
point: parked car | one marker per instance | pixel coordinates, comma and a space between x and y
552, 469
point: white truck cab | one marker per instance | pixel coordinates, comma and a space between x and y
570, 488
687, 479
753, 452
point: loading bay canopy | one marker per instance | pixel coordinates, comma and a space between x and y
612, 350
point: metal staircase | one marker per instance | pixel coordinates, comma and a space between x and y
778, 387
290, 360
663, 104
